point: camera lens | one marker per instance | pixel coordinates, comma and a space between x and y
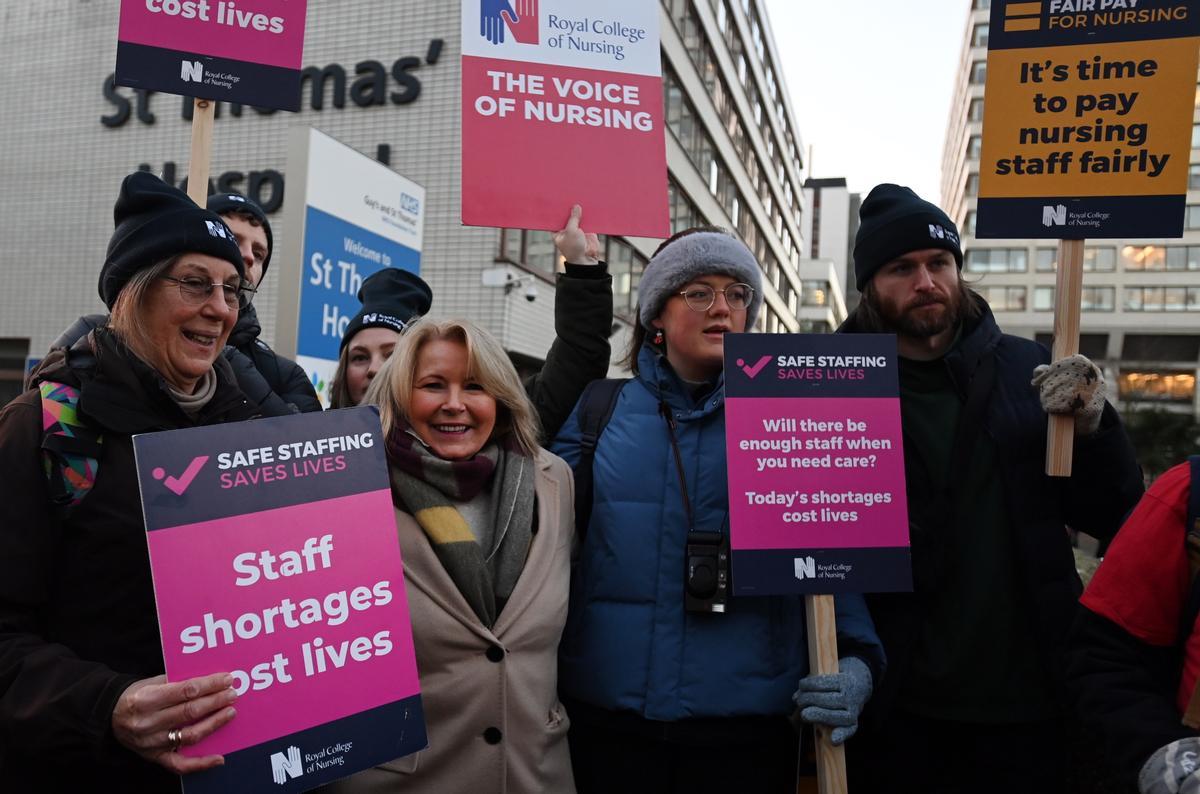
702, 577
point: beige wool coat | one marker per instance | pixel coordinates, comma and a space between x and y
490, 697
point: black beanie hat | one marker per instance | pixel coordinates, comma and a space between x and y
894, 220
237, 204
155, 221
391, 298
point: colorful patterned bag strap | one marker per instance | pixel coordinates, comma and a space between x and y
70, 449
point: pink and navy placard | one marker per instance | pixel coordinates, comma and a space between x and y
562, 103
816, 464
274, 555
245, 51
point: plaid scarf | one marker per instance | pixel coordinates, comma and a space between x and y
477, 514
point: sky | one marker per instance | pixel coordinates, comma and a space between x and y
871, 83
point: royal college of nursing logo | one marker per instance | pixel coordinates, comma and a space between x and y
520, 17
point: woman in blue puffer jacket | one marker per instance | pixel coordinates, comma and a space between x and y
661, 698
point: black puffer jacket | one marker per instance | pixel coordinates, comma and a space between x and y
251, 369
290, 390
583, 316
77, 614
1105, 484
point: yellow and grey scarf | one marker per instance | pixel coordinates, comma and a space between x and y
477, 514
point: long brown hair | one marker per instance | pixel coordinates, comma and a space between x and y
125, 320
868, 316
339, 391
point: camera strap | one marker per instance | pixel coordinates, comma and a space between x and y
665, 410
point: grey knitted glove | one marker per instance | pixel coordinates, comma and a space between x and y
1173, 769
1072, 385
836, 700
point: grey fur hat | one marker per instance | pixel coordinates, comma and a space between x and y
693, 255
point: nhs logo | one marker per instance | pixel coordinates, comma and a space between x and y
806, 568
410, 203
191, 71
1054, 216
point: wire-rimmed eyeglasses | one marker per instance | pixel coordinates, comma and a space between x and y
196, 290
701, 297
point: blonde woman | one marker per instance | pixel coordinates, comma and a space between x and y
484, 517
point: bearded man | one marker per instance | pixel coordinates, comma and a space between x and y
973, 699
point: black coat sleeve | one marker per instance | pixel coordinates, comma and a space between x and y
583, 315
1124, 687
1106, 480
52, 703
295, 386
285, 379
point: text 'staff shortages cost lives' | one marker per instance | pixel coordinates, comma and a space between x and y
1087, 118
816, 464
243, 51
274, 555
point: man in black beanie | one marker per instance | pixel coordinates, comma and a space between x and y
973, 699
285, 387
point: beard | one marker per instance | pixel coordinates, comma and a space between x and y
914, 320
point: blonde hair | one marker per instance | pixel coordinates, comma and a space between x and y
488, 364
125, 319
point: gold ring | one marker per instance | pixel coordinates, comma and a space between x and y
175, 739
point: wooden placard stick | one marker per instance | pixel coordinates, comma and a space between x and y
1068, 294
823, 660
203, 113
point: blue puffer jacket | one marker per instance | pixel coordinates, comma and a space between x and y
628, 643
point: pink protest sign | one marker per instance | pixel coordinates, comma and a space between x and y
274, 555
248, 51
562, 103
816, 464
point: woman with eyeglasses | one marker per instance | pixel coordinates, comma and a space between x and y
83, 702
667, 689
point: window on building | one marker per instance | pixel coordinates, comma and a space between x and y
540, 253
1160, 347
814, 293
972, 188
1099, 260
979, 35
974, 147
1156, 386
1191, 219
978, 5
1144, 257
1162, 299
969, 224
979, 72
510, 245
1196, 136
1098, 299
814, 327
1043, 299
997, 260
1194, 177
626, 266
1003, 298
975, 112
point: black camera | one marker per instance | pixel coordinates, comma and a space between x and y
706, 572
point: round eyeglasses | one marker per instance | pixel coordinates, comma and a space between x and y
701, 297
196, 290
